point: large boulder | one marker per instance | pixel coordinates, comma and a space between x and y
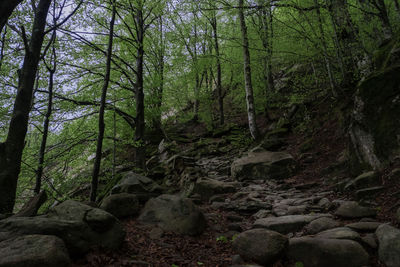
121, 205
317, 252
260, 245
264, 165
34, 251
207, 187
389, 245
174, 213
375, 126
143, 187
79, 226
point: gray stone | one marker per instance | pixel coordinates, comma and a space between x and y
340, 233
286, 224
261, 246
370, 240
262, 214
207, 187
121, 205
264, 165
79, 226
320, 225
296, 210
174, 213
351, 209
364, 226
132, 183
369, 192
389, 245
316, 252
34, 251
367, 179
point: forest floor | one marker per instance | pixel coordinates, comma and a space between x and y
214, 247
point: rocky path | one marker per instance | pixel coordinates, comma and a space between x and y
214, 209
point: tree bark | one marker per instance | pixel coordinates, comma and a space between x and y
251, 113
219, 71
140, 123
11, 149
6, 9
97, 160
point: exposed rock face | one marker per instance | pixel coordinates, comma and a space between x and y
260, 245
320, 225
340, 233
174, 213
121, 205
317, 252
389, 245
79, 226
375, 127
132, 183
263, 165
35, 251
351, 209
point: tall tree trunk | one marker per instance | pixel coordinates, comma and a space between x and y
11, 149
384, 17
197, 74
140, 156
251, 113
39, 171
3, 45
6, 9
219, 71
325, 50
397, 6
97, 160
160, 72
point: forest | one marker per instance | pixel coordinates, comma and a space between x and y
233, 121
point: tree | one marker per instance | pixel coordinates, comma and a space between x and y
11, 149
6, 9
100, 137
251, 112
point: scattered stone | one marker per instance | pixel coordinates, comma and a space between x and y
317, 252
132, 183
370, 240
320, 225
340, 233
369, 192
263, 165
364, 180
262, 214
207, 187
121, 205
260, 245
34, 251
351, 209
324, 203
364, 226
296, 210
389, 245
174, 213
286, 224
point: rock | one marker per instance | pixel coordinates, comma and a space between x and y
262, 214
263, 165
398, 215
174, 213
286, 224
296, 210
369, 192
34, 251
389, 245
207, 187
121, 205
156, 233
364, 226
79, 226
317, 252
339, 233
261, 246
351, 209
132, 183
324, 203
367, 179
370, 240
320, 225
374, 126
